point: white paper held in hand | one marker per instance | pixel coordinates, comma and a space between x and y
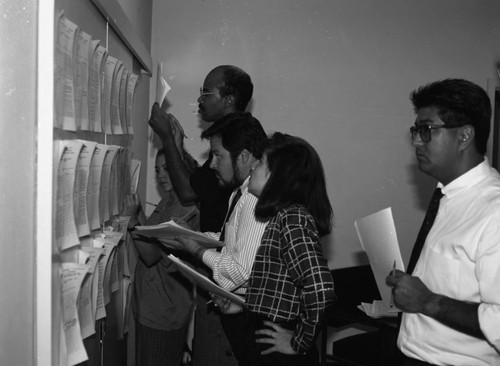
377, 235
162, 87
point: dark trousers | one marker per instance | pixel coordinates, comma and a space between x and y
210, 346
241, 336
156, 347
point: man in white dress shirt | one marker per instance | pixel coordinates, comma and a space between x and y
236, 145
451, 300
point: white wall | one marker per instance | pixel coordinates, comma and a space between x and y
17, 181
337, 73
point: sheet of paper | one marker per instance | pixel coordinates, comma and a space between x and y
114, 183
87, 299
124, 157
162, 87
82, 53
170, 230
65, 227
116, 271
81, 183
116, 125
72, 277
99, 55
109, 241
135, 172
205, 282
377, 309
132, 82
103, 285
106, 188
123, 100
94, 186
64, 92
111, 236
109, 73
378, 238
72, 255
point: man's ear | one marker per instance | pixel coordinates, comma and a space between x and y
229, 102
245, 156
466, 136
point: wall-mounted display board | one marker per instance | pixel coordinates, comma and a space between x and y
101, 105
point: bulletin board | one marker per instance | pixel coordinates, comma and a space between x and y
101, 105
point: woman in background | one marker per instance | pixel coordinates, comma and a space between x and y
163, 302
290, 285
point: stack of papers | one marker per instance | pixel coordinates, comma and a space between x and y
170, 230
377, 309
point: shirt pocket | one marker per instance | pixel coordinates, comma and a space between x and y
441, 273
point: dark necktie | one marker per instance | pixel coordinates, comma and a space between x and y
229, 212
430, 216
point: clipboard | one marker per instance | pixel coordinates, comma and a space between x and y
204, 281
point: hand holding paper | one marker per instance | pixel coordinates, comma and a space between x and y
162, 87
192, 247
225, 305
410, 293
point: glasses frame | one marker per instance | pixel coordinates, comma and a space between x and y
414, 130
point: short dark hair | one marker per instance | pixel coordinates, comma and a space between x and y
296, 177
238, 131
236, 83
459, 103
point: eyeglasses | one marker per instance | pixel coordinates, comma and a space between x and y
204, 93
424, 131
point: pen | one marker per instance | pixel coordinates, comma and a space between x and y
393, 272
